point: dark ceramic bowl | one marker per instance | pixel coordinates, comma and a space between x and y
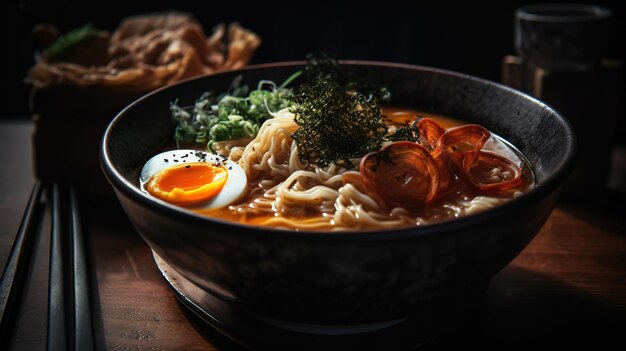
370, 278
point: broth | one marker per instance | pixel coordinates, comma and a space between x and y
257, 208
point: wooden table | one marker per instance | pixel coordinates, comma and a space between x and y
566, 289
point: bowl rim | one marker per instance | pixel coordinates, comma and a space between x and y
551, 183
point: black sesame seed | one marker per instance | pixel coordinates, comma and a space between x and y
166, 160
187, 166
175, 160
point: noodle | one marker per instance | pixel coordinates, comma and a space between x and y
286, 193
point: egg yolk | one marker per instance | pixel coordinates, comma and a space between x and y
188, 183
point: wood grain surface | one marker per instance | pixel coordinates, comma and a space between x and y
566, 289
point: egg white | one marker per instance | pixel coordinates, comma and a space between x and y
234, 188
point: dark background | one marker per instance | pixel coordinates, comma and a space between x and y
471, 37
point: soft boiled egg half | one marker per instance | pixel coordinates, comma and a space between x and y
193, 179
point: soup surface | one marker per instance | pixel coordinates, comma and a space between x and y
458, 170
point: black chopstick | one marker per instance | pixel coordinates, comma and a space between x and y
83, 326
70, 325
11, 283
57, 332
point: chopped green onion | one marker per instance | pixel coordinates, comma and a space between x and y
232, 115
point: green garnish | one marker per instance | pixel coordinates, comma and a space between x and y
337, 111
336, 124
66, 43
233, 115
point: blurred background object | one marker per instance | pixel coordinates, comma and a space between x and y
82, 78
562, 60
470, 37
145, 52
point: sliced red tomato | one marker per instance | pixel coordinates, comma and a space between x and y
446, 172
463, 143
402, 173
430, 132
493, 173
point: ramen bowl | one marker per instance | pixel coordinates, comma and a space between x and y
309, 288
